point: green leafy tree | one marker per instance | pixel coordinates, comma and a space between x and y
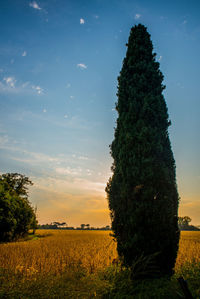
142, 191
16, 213
17, 183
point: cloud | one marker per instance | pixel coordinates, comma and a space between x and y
44, 110
83, 158
82, 21
10, 81
25, 84
81, 66
11, 85
60, 190
88, 172
137, 16
68, 171
34, 5
17, 152
160, 58
38, 89
24, 53
6, 88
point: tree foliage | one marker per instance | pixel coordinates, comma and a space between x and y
184, 224
184, 221
16, 213
142, 191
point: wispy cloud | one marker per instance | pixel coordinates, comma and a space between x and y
137, 16
10, 81
83, 158
82, 21
18, 152
68, 171
61, 184
38, 89
24, 53
160, 58
34, 5
81, 66
11, 85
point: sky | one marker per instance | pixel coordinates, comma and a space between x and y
59, 63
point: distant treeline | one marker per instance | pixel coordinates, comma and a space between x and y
64, 226
183, 223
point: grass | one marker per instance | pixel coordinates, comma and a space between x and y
79, 264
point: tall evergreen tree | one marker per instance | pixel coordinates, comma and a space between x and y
142, 191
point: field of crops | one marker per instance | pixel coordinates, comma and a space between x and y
54, 253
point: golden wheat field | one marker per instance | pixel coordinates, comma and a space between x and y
55, 251
189, 249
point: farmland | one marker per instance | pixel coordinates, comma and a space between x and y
82, 264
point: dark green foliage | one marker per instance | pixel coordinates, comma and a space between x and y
16, 214
142, 192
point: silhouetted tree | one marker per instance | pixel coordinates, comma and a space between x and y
184, 221
184, 224
142, 191
82, 226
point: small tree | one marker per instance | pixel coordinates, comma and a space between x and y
142, 192
88, 226
183, 222
83, 226
16, 214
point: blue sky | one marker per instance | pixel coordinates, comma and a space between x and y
59, 62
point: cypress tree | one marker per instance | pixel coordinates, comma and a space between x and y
142, 192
